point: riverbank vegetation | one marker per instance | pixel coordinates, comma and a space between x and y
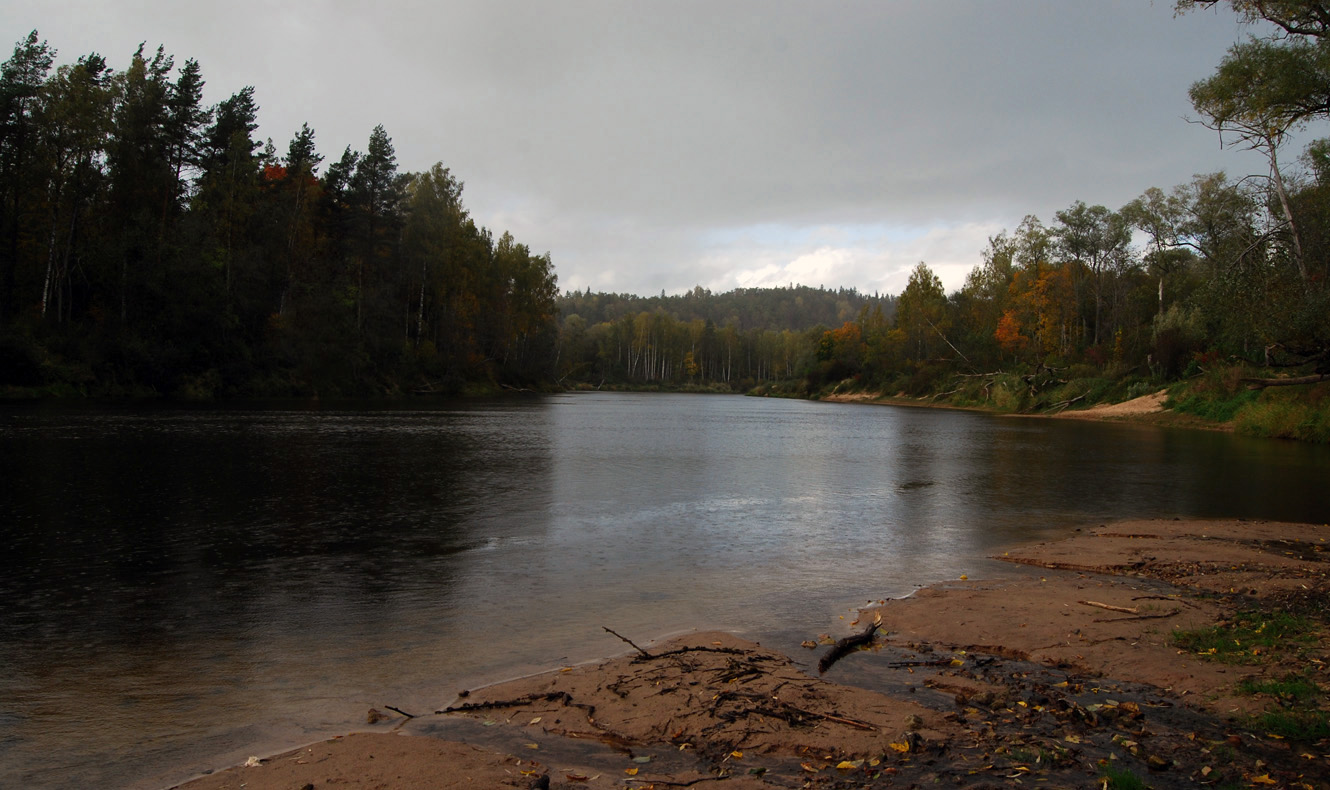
151, 245
1215, 289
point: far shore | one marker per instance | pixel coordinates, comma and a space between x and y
1093, 659
1148, 409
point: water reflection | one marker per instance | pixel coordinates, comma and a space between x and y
186, 587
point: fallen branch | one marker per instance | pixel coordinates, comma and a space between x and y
561, 696
629, 641
1064, 404
689, 783
859, 725
399, 710
1137, 617
700, 649
846, 646
1110, 607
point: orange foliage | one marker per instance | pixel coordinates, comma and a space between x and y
1008, 333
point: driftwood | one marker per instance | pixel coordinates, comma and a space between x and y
1064, 404
629, 641
846, 646
1110, 607
561, 696
1137, 617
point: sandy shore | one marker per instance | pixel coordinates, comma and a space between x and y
1065, 671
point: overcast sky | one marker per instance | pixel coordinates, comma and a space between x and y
651, 145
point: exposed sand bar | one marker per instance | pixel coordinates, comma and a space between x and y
1067, 664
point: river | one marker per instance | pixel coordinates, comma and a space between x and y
183, 587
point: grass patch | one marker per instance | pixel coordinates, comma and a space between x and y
1287, 413
1247, 636
1211, 405
1293, 725
1292, 688
1116, 778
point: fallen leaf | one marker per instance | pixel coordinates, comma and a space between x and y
576, 777
808, 643
642, 759
630, 771
529, 773
1263, 779
848, 765
810, 769
534, 721
737, 755
900, 747
531, 745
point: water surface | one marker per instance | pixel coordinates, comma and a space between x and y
184, 587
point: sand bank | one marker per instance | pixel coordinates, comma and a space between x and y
1063, 672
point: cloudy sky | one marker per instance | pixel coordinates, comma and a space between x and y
654, 145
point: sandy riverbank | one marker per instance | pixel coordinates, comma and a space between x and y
1061, 672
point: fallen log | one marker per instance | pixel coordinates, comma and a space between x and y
1260, 384
846, 646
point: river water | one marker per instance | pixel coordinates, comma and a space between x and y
183, 587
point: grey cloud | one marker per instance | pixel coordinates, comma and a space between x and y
621, 136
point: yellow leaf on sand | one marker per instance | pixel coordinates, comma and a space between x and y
810, 769
630, 771
530, 773
964, 577
900, 747
737, 755
1263, 779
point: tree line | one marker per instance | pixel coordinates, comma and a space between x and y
1230, 268
150, 244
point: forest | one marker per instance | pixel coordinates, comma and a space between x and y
150, 245
1222, 277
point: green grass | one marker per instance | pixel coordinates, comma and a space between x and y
1293, 725
1120, 778
1292, 688
1247, 637
1212, 405
1281, 418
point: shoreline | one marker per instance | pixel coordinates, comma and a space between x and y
1145, 410
1069, 661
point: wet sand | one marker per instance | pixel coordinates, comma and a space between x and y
1061, 672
